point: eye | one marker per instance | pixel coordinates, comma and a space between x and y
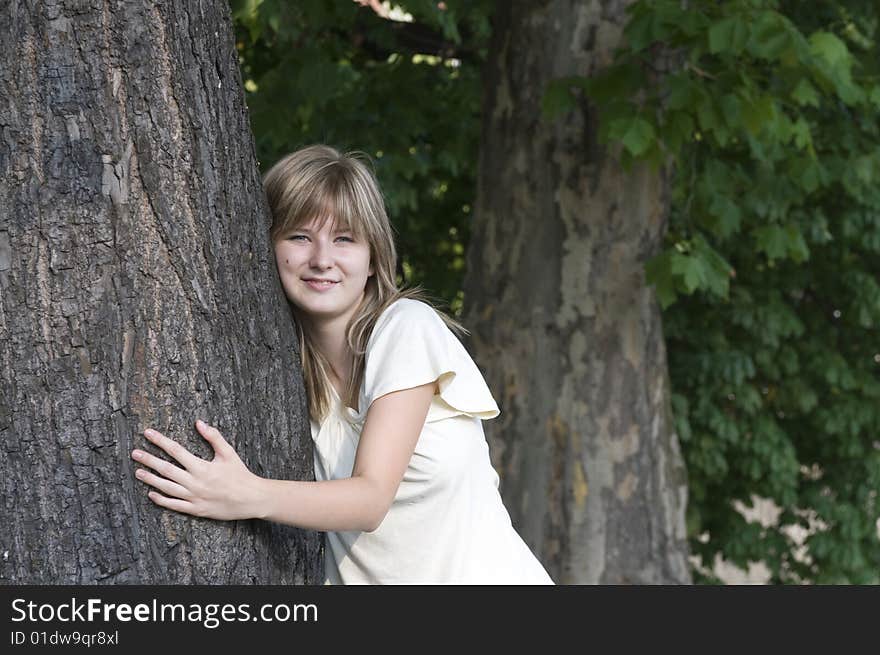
296, 237
349, 239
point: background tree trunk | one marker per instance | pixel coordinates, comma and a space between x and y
137, 289
564, 326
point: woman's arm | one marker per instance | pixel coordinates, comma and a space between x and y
225, 489
388, 439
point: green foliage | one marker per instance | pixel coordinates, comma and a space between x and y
333, 72
769, 274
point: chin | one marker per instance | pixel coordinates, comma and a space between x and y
322, 309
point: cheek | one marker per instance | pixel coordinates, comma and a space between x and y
282, 258
363, 262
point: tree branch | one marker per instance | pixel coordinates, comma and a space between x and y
380, 37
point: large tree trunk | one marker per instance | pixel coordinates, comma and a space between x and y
563, 324
137, 289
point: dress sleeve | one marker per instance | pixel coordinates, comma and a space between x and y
411, 346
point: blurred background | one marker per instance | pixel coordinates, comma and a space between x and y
765, 117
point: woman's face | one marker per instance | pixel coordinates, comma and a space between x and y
323, 271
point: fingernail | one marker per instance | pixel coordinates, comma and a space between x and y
200, 423
136, 454
148, 432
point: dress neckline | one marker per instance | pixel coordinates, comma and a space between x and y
350, 410
360, 415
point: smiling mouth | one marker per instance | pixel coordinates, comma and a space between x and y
320, 284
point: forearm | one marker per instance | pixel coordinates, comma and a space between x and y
326, 505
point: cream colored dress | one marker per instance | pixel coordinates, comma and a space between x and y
447, 524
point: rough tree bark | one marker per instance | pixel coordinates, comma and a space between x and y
137, 289
562, 321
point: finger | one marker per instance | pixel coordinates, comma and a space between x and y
174, 449
167, 487
183, 506
212, 436
162, 467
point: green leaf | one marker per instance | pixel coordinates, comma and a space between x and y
772, 240
797, 247
690, 269
678, 130
800, 132
707, 114
807, 172
728, 214
682, 92
866, 167
732, 110
658, 272
716, 270
557, 98
830, 48
728, 35
639, 30
758, 114
837, 61
805, 93
779, 242
636, 134
769, 37
616, 83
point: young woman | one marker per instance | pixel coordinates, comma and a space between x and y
405, 490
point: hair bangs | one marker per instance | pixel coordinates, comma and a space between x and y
332, 198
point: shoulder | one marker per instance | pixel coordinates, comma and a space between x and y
410, 308
412, 345
407, 314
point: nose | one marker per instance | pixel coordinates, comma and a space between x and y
321, 257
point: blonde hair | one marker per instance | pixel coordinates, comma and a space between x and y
318, 182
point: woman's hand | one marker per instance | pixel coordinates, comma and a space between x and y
221, 489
